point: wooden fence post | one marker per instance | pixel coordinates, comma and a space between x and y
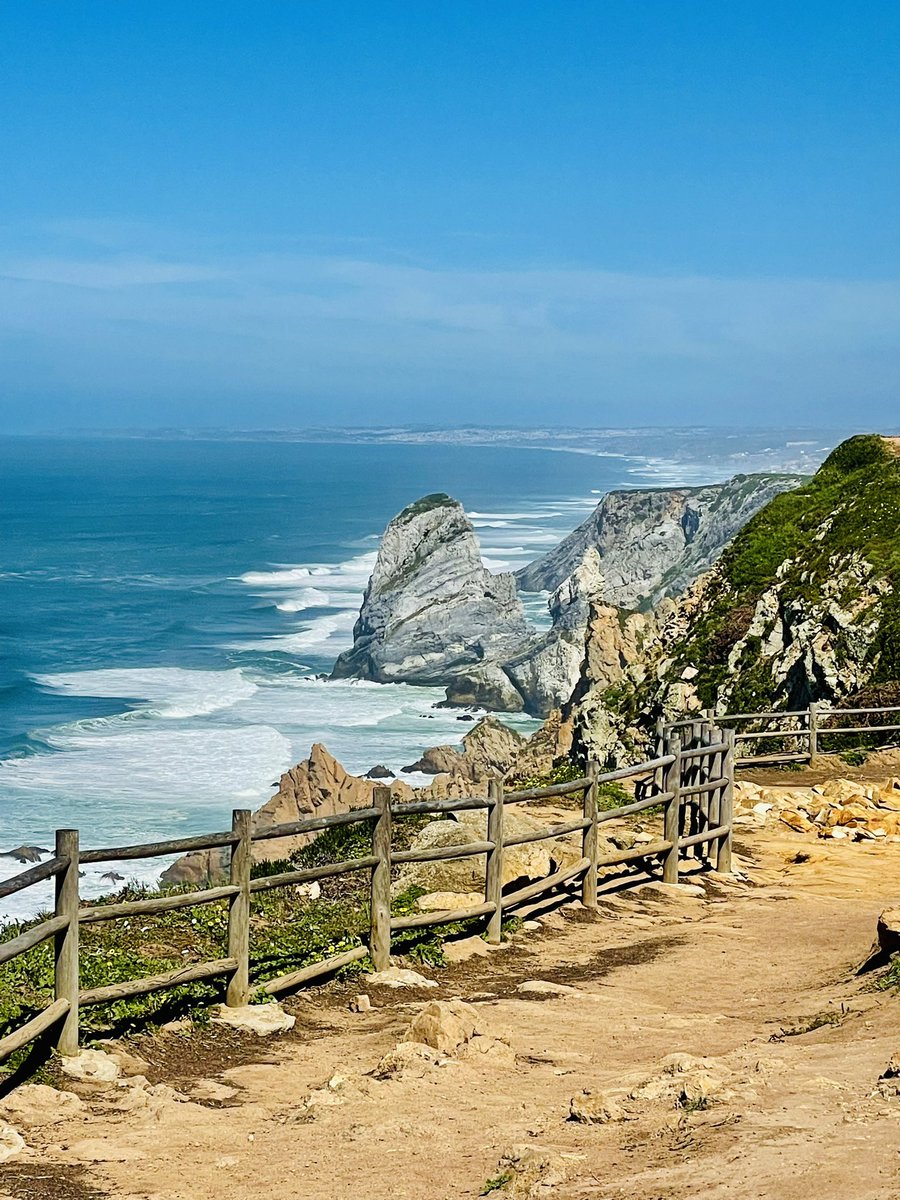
66, 974
493, 871
813, 732
589, 839
726, 808
672, 818
237, 993
380, 903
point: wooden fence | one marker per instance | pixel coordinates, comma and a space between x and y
691, 779
800, 735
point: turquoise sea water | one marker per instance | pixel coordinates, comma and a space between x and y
165, 607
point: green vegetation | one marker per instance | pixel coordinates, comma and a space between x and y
496, 1183
854, 758
562, 773
288, 931
424, 505
844, 520
890, 981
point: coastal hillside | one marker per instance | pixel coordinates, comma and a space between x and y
803, 605
654, 542
433, 614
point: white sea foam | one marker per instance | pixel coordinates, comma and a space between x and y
173, 692
527, 515
307, 598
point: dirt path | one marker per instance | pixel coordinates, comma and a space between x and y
718, 977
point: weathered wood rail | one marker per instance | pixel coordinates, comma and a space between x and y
690, 779
798, 735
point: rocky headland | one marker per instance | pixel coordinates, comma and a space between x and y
800, 606
432, 613
654, 542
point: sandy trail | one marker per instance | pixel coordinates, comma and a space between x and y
718, 977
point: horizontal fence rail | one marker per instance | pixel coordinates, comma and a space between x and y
797, 735
690, 782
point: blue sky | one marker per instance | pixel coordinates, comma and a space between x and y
509, 212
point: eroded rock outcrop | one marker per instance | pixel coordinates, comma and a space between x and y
320, 786
317, 786
547, 671
488, 750
433, 614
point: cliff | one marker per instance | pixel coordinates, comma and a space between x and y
654, 542
803, 605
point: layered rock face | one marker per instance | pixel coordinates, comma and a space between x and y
654, 542
432, 614
547, 671
802, 606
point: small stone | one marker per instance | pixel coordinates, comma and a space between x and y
543, 987
400, 977
93, 1066
531, 926
466, 948
595, 1108
261, 1019
11, 1142
361, 1004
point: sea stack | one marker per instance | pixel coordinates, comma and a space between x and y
432, 613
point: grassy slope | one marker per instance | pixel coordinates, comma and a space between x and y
853, 504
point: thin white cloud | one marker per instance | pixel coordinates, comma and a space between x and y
358, 330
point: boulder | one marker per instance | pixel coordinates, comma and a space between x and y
595, 1108
261, 1019
543, 989
488, 750
399, 977
407, 1058
11, 1142
92, 1066
379, 772
528, 1171
442, 901
530, 861
36, 1104
444, 1025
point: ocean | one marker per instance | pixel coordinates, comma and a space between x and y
167, 606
